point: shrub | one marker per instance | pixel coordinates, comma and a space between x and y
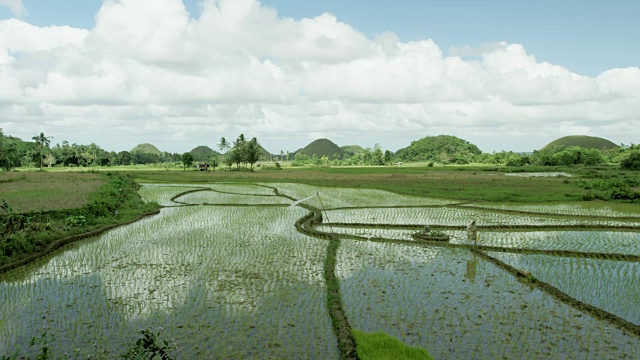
632, 161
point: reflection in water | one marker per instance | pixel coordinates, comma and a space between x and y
472, 266
431, 302
213, 278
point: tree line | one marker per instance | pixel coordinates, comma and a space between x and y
244, 154
15, 152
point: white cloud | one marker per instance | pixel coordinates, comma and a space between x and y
16, 6
151, 73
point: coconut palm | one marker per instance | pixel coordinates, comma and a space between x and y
224, 145
41, 143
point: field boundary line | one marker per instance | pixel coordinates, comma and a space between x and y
598, 313
525, 251
339, 321
487, 227
523, 212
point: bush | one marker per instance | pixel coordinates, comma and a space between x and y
632, 161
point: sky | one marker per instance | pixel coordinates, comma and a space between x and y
504, 75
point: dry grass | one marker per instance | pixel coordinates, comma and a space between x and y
41, 191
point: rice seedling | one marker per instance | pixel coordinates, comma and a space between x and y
583, 208
458, 306
369, 233
343, 197
241, 282
460, 217
613, 286
211, 277
617, 242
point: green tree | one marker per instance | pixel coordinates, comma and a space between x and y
214, 162
632, 161
187, 159
228, 159
377, 157
387, 157
42, 142
223, 145
252, 152
9, 156
124, 158
240, 150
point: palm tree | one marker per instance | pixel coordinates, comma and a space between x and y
253, 152
239, 148
41, 142
224, 145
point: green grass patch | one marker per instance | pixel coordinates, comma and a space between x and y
381, 346
450, 184
44, 191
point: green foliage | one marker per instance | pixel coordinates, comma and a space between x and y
146, 148
116, 201
350, 150
214, 162
245, 152
187, 160
43, 342
75, 220
4, 205
41, 146
321, 147
631, 161
202, 153
381, 346
252, 152
149, 346
612, 187
586, 142
12, 151
300, 160
444, 149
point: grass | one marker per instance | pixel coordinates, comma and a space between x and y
380, 346
449, 183
43, 191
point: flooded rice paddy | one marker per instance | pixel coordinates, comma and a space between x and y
226, 274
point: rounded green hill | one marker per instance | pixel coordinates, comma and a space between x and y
583, 141
202, 153
146, 148
322, 147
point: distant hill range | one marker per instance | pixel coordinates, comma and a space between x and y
442, 148
146, 148
322, 147
587, 142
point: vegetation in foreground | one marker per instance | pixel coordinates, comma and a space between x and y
24, 234
148, 346
380, 346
